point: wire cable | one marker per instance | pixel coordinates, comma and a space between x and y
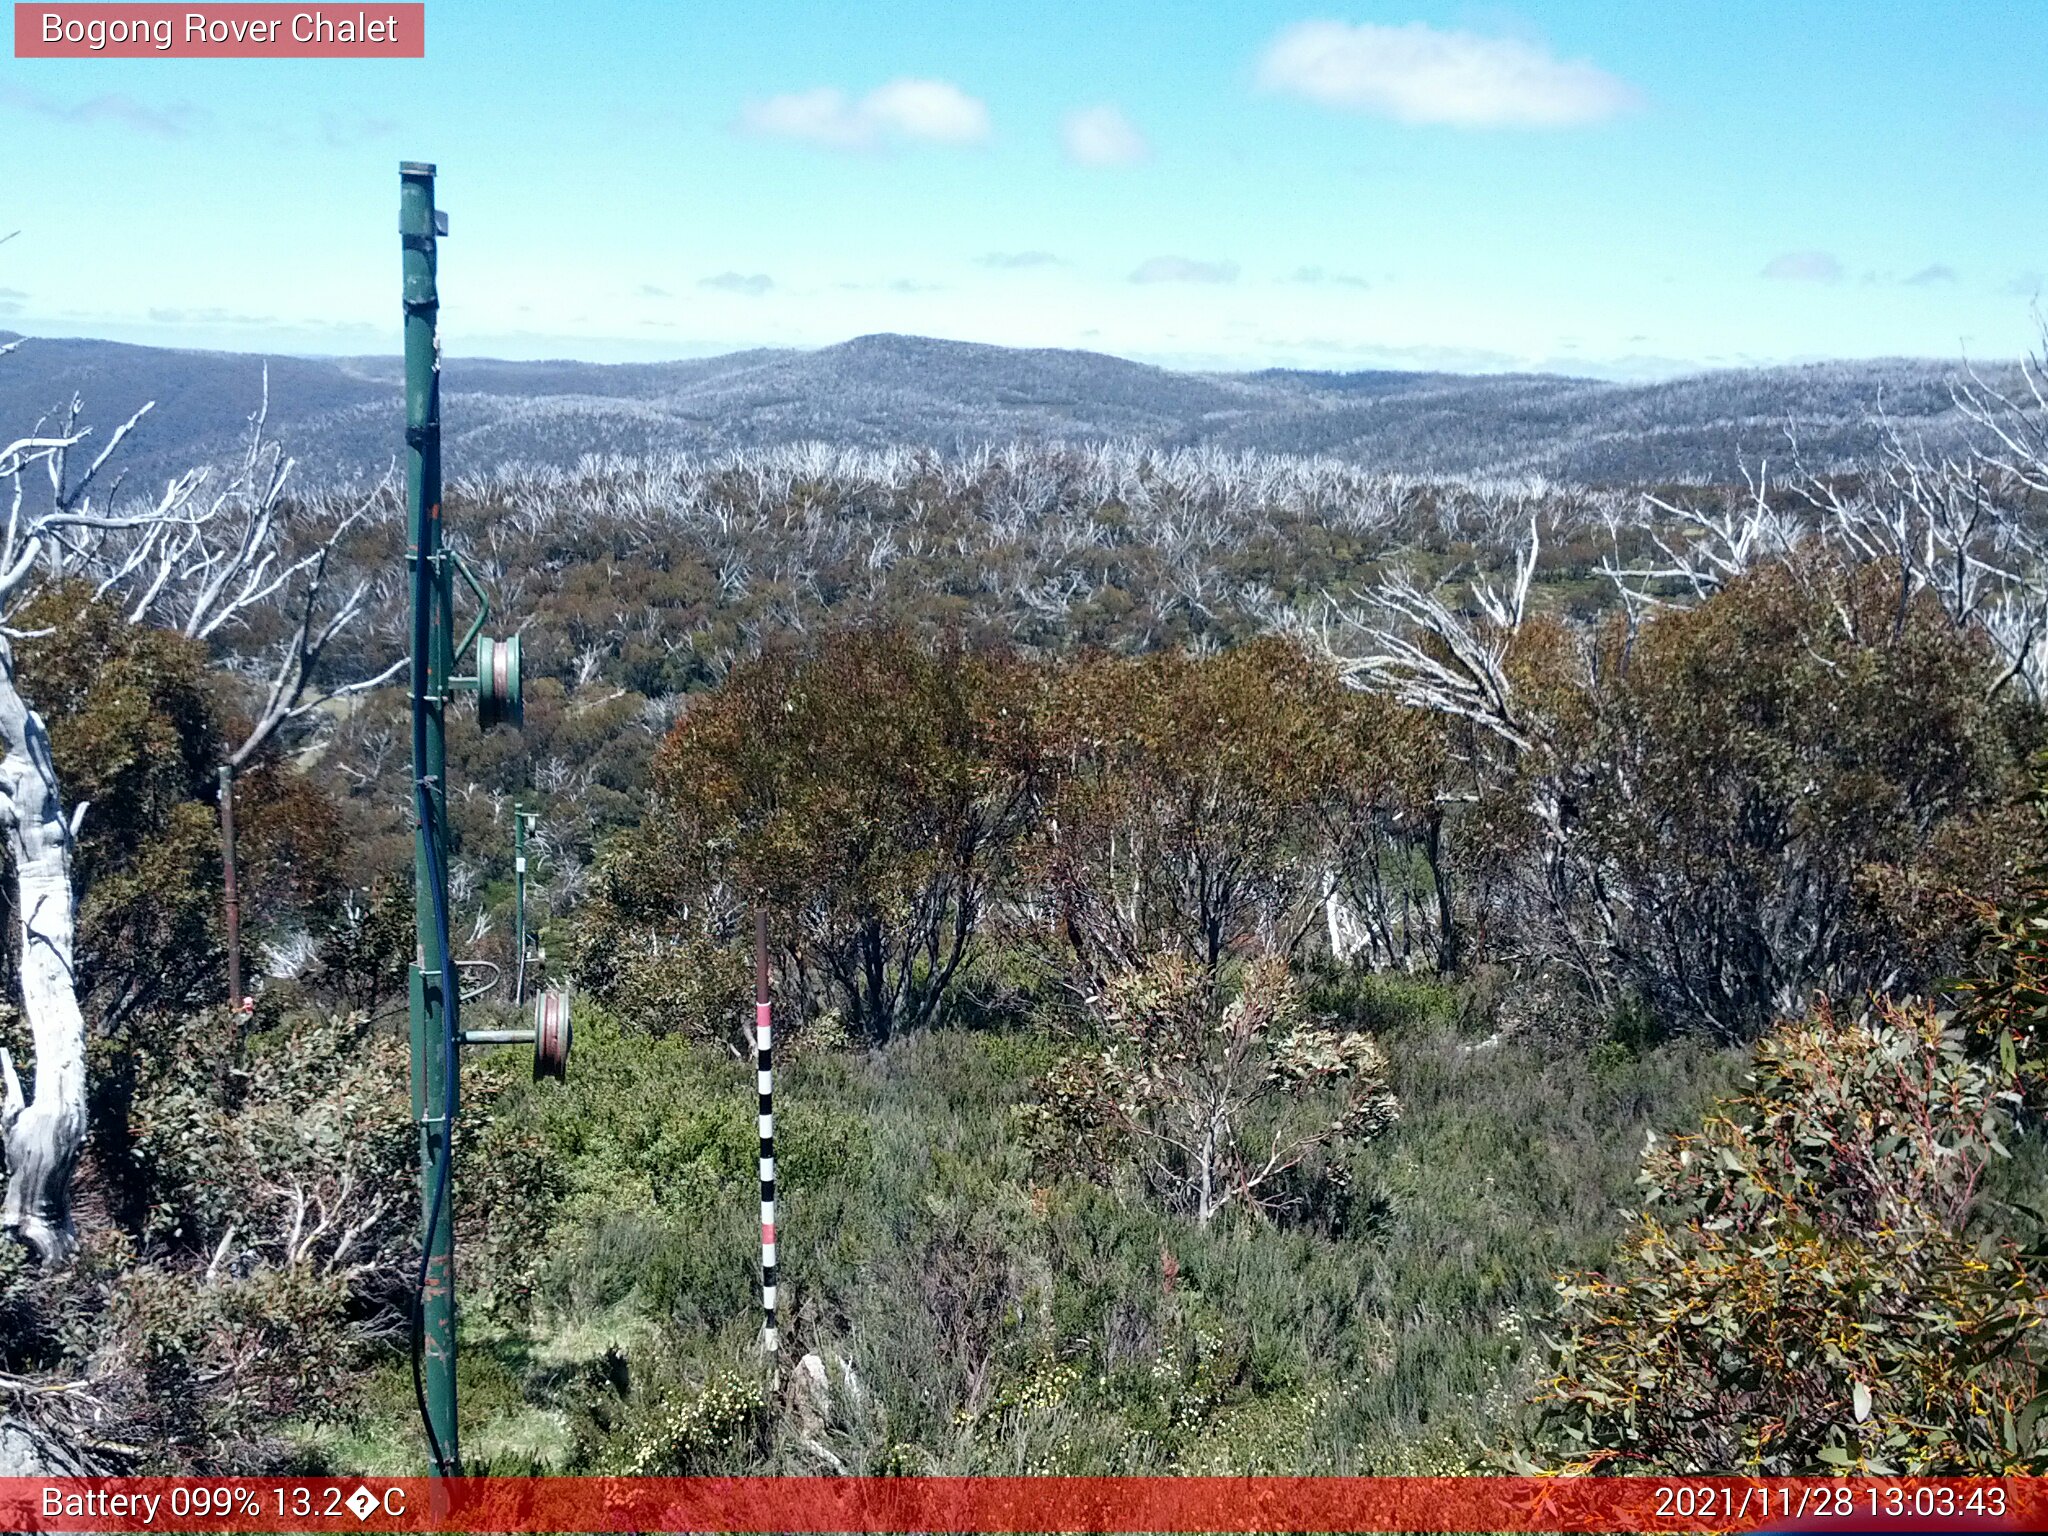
423, 802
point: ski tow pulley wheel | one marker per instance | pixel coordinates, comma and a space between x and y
498, 697
551, 1034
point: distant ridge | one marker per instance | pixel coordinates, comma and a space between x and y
339, 416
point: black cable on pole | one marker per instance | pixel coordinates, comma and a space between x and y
423, 802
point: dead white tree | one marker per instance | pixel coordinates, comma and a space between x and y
2014, 450
252, 551
198, 563
1963, 527
1705, 548
1415, 647
2014, 420
45, 541
249, 550
1410, 644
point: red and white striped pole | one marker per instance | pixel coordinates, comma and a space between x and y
764, 1079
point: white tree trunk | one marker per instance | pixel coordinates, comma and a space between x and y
45, 1134
1348, 934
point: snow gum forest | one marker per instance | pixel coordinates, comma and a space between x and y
1280, 966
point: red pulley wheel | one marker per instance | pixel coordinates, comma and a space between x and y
551, 1035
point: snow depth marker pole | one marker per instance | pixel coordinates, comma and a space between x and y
764, 1082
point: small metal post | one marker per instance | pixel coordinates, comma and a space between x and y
231, 901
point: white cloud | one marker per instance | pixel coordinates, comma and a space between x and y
1927, 277
352, 130
208, 316
823, 116
1017, 261
903, 111
1418, 74
931, 110
1321, 276
1099, 136
1182, 269
753, 284
1803, 267
171, 122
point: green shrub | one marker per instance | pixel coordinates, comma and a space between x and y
1808, 1287
1760, 768
692, 986
689, 1429
266, 1267
1217, 1090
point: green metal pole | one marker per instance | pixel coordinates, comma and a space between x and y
434, 997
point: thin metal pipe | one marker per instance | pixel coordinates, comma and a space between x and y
519, 903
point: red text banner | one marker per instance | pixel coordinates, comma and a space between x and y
1049, 1504
239, 31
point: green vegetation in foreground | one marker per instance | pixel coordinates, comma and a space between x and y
1000, 1318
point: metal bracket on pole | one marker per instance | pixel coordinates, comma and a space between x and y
483, 603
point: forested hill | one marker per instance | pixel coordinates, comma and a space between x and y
338, 416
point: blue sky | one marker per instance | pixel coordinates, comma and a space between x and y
1619, 189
